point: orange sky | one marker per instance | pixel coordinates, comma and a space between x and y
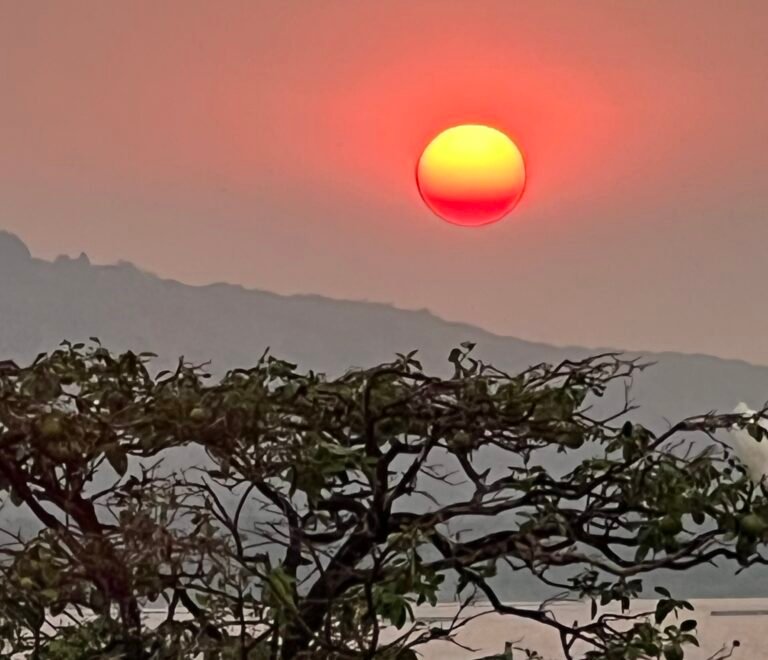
273, 144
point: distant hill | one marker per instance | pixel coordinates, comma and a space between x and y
43, 302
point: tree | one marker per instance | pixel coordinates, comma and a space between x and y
325, 509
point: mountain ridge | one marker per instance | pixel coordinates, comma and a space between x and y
13, 250
43, 302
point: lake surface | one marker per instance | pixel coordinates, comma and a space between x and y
720, 621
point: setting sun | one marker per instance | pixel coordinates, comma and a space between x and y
471, 175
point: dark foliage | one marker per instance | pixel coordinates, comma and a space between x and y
325, 510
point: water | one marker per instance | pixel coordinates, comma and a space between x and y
720, 622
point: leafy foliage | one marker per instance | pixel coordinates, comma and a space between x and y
326, 510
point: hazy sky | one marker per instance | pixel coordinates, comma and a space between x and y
273, 144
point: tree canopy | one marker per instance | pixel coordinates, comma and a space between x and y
279, 514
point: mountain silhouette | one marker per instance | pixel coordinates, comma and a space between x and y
44, 302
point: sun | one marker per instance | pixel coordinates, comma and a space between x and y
471, 175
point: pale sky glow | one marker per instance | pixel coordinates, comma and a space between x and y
273, 144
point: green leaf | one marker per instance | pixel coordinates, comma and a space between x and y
97, 602
663, 609
118, 459
642, 552
673, 652
688, 624
49, 594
